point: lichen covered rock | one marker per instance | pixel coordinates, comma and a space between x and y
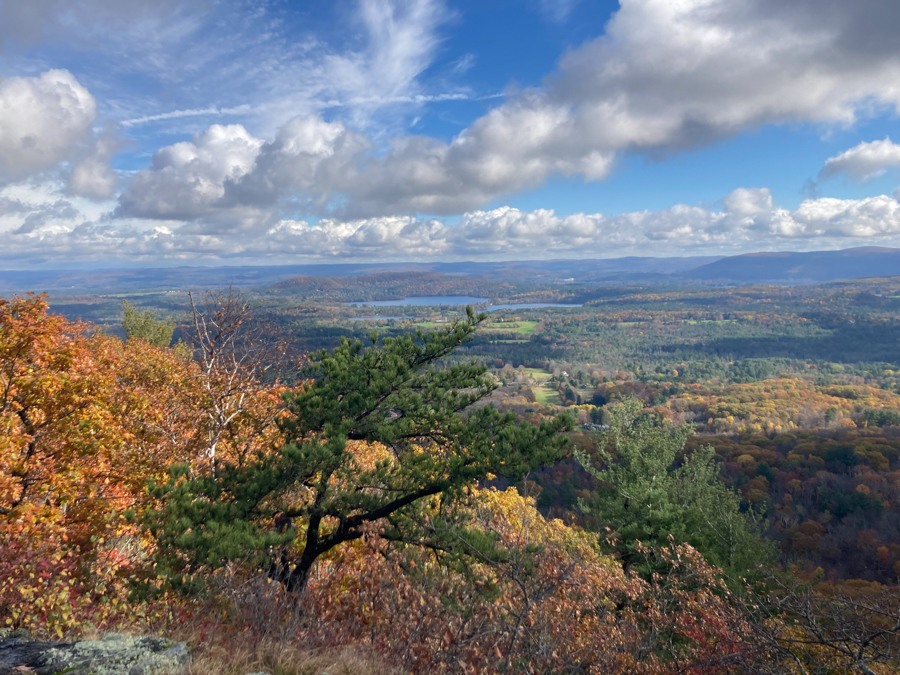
113, 655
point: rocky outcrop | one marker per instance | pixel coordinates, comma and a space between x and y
112, 655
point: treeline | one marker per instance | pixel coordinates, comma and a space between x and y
388, 286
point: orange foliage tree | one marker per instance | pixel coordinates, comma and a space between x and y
85, 421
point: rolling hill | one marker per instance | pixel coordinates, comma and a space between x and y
393, 280
800, 268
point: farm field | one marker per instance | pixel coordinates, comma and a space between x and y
523, 328
547, 396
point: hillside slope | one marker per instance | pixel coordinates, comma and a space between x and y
801, 268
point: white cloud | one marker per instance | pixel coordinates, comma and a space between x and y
371, 82
41, 226
402, 40
187, 180
93, 177
862, 218
864, 161
748, 201
309, 158
671, 75
225, 178
665, 76
749, 221
43, 120
212, 57
46, 123
172, 42
325, 165
177, 114
375, 238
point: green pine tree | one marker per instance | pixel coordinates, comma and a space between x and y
313, 494
648, 493
146, 325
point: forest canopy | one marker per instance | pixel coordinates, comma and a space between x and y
380, 498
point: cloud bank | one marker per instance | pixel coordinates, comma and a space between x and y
43, 228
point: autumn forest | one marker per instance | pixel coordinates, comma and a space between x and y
509, 476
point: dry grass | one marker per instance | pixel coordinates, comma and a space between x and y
271, 641
283, 660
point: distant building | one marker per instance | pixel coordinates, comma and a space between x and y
595, 427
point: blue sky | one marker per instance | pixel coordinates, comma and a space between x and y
254, 131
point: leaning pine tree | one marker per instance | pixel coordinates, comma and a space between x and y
315, 493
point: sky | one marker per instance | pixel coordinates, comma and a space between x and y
221, 132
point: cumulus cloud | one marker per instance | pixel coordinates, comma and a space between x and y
92, 176
665, 76
308, 158
43, 120
325, 165
48, 120
672, 75
864, 161
47, 227
41, 123
864, 218
373, 237
187, 180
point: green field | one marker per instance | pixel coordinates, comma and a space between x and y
546, 396
539, 374
524, 328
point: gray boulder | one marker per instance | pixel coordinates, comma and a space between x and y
112, 655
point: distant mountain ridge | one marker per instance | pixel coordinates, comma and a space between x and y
182, 278
800, 268
751, 268
377, 280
